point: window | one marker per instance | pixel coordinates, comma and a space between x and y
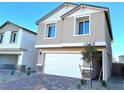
13, 37
1, 37
50, 31
82, 26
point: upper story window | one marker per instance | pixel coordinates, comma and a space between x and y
82, 26
13, 37
1, 37
50, 30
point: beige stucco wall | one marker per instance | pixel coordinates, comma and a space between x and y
65, 30
41, 32
96, 30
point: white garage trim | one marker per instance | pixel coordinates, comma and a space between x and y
58, 52
69, 45
39, 64
9, 53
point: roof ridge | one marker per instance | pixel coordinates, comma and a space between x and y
94, 5
48, 14
85, 5
17, 26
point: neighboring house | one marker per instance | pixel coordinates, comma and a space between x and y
121, 59
118, 66
63, 33
17, 47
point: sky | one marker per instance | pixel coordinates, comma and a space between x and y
27, 13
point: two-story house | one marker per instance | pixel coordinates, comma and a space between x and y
62, 34
17, 49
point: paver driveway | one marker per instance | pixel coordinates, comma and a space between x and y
40, 81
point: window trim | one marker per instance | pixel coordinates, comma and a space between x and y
75, 24
46, 31
2, 38
11, 37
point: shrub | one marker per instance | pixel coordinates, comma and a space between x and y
104, 83
28, 71
12, 73
83, 81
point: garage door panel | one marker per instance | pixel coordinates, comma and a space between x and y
63, 64
8, 59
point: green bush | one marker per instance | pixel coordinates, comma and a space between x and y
104, 83
12, 73
28, 71
83, 82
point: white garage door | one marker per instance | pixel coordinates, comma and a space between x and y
63, 64
8, 59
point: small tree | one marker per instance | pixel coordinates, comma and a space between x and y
89, 54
